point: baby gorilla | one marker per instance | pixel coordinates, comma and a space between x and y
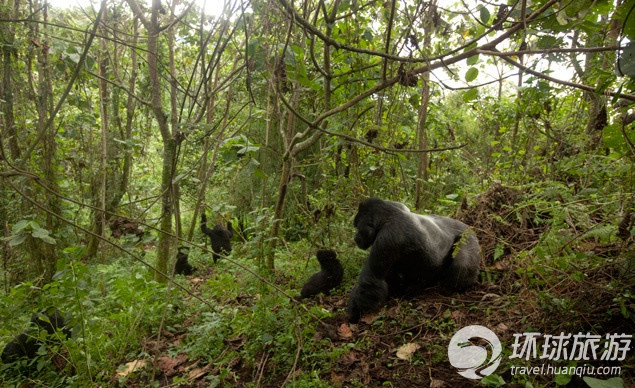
26, 345
182, 266
329, 277
219, 237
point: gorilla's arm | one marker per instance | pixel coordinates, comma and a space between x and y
204, 227
367, 296
230, 230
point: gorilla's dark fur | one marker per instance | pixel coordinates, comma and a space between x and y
26, 345
329, 277
219, 237
182, 266
409, 252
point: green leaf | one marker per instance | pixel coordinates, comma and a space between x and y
561, 17
613, 137
40, 233
179, 177
473, 60
20, 226
484, 14
470, 95
562, 379
547, 42
471, 47
49, 240
471, 74
43, 235
616, 97
246, 149
493, 381
626, 62
17, 240
499, 250
614, 382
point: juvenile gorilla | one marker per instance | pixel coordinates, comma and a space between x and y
182, 266
26, 345
219, 237
329, 277
409, 251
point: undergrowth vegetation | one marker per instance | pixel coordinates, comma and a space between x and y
555, 260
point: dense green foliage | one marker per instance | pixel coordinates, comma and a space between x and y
121, 123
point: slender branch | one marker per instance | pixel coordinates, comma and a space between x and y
359, 141
119, 86
552, 51
562, 82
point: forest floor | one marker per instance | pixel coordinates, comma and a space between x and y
428, 320
406, 343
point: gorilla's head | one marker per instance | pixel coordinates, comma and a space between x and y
371, 215
50, 320
326, 256
364, 225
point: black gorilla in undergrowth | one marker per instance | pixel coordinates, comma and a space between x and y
219, 237
182, 266
409, 252
329, 277
26, 345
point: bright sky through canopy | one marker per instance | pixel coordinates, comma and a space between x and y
212, 7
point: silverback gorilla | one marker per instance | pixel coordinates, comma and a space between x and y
219, 237
329, 277
409, 251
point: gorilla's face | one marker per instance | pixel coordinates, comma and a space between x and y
366, 230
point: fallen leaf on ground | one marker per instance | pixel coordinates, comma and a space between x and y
406, 351
197, 373
344, 331
168, 364
337, 378
131, 367
369, 318
349, 358
438, 384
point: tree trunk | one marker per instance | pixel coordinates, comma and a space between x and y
169, 144
44, 254
99, 181
9, 52
422, 135
422, 157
